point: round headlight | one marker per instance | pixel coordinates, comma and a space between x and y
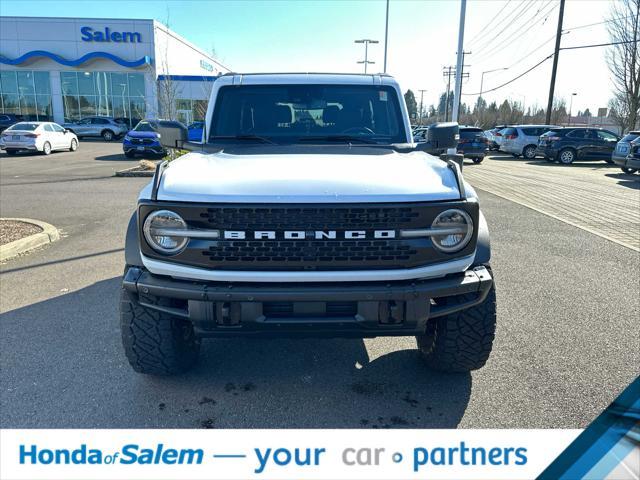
160, 230
457, 229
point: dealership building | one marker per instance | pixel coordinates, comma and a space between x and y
64, 69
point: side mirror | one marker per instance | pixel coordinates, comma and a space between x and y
439, 138
173, 135
66, 130
443, 135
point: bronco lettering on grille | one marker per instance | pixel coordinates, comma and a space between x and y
308, 235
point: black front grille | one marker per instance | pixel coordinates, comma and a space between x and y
141, 141
309, 217
309, 252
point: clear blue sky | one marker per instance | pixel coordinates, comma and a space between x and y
318, 36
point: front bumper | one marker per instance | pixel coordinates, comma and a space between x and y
141, 148
219, 309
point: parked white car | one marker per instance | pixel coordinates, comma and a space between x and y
42, 137
522, 140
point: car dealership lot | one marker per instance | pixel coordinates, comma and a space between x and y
567, 338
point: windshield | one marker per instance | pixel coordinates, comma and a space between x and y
630, 137
24, 126
145, 127
304, 113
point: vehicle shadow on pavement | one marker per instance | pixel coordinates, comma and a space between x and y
64, 367
626, 179
592, 164
113, 157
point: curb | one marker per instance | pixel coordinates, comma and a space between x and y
134, 172
48, 234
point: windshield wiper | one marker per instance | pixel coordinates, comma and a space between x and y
338, 138
242, 137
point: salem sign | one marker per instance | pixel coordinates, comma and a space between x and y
106, 35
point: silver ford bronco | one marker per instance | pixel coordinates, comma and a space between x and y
307, 211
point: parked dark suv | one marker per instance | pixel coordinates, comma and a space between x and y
8, 119
568, 144
473, 143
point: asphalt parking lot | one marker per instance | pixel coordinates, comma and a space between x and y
567, 340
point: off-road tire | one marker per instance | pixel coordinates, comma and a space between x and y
156, 343
462, 341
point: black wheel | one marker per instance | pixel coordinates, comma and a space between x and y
129, 154
529, 152
73, 146
567, 156
515, 155
462, 341
628, 170
156, 343
11, 152
46, 148
107, 135
477, 160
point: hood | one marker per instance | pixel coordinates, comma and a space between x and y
307, 178
134, 134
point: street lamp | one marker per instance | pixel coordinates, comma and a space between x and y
366, 42
571, 106
482, 84
482, 78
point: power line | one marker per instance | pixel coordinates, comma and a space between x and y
599, 45
489, 23
513, 79
519, 32
485, 44
594, 24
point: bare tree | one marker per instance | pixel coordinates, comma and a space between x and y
624, 61
167, 88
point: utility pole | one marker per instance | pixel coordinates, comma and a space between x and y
366, 61
386, 35
556, 53
449, 72
421, 97
459, 66
482, 85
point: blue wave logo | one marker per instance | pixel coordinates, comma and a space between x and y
146, 60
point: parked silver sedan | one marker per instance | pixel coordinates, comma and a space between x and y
105, 127
42, 137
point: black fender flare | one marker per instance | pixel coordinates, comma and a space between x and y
132, 244
483, 245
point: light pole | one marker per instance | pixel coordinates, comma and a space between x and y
482, 84
386, 34
482, 78
571, 106
459, 65
420, 112
366, 42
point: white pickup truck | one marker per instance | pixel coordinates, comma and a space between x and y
306, 210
